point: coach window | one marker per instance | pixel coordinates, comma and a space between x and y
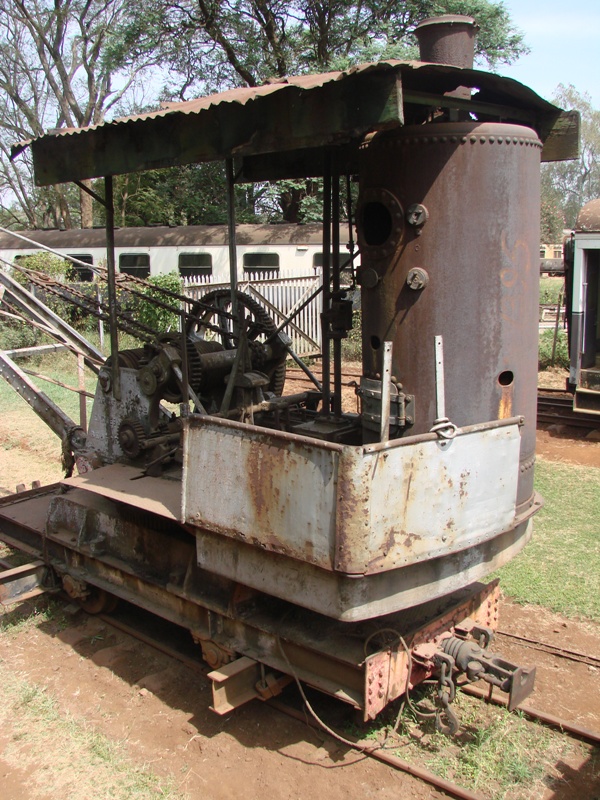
191, 264
344, 260
261, 262
137, 264
80, 273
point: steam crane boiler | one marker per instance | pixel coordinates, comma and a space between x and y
292, 538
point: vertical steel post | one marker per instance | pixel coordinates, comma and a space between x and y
350, 224
326, 355
231, 236
112, 286
386, 391
82, 397
335, 268
100, 320
185, 379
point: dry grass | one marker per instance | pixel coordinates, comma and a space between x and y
63, 756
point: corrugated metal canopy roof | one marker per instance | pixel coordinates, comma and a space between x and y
296, 118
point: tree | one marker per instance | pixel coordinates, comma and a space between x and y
55, 73
59, 60
570, 184
209, 45
192, 194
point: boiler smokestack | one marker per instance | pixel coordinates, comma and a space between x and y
447, 40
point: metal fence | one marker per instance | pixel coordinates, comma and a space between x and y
281, 297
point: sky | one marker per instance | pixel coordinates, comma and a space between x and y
564, 38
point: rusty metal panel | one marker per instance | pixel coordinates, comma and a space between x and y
350, 598
23, 583
420, 501
357, 510
125, 484
276, 492
108, 413
304, 112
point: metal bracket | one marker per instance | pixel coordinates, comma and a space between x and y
234, 684
241, 681
401, 405
521, 686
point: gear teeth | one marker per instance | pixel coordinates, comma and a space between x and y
131, 435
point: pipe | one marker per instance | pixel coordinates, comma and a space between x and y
112, 286
325, 321
449, 39
335, 265
232, 238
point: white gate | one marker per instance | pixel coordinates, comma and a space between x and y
281, 297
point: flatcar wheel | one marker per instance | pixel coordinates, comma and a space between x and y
99, 602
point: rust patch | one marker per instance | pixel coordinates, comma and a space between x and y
410, 539
505, 408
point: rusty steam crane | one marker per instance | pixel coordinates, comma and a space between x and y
289, 537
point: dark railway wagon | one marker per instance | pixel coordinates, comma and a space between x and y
582, 276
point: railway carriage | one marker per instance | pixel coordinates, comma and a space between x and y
195, 251
582, 275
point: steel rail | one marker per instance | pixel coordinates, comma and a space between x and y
391, 760
533, 713
378, 754
552, 649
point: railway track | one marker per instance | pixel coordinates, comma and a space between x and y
376, 751
556, 407
167, 639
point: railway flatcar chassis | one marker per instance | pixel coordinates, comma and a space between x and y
294, 539
99, 549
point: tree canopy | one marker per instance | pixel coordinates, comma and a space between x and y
568, 185
55, 72
208, 45
69, 63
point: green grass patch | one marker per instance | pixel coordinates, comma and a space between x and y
550, 290
61, 366
551, 354
560, 568
498, 754
34, 613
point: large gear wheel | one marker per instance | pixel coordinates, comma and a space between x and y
215, 309
131, 435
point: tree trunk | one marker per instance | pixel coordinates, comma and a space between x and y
87, 217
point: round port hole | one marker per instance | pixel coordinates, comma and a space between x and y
506, 378
375, 342
377, 223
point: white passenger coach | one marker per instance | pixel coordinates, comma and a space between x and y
195, 251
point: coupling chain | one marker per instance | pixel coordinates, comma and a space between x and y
446, 692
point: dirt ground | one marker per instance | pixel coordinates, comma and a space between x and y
156, 711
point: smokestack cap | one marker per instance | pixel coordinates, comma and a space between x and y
449, 39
